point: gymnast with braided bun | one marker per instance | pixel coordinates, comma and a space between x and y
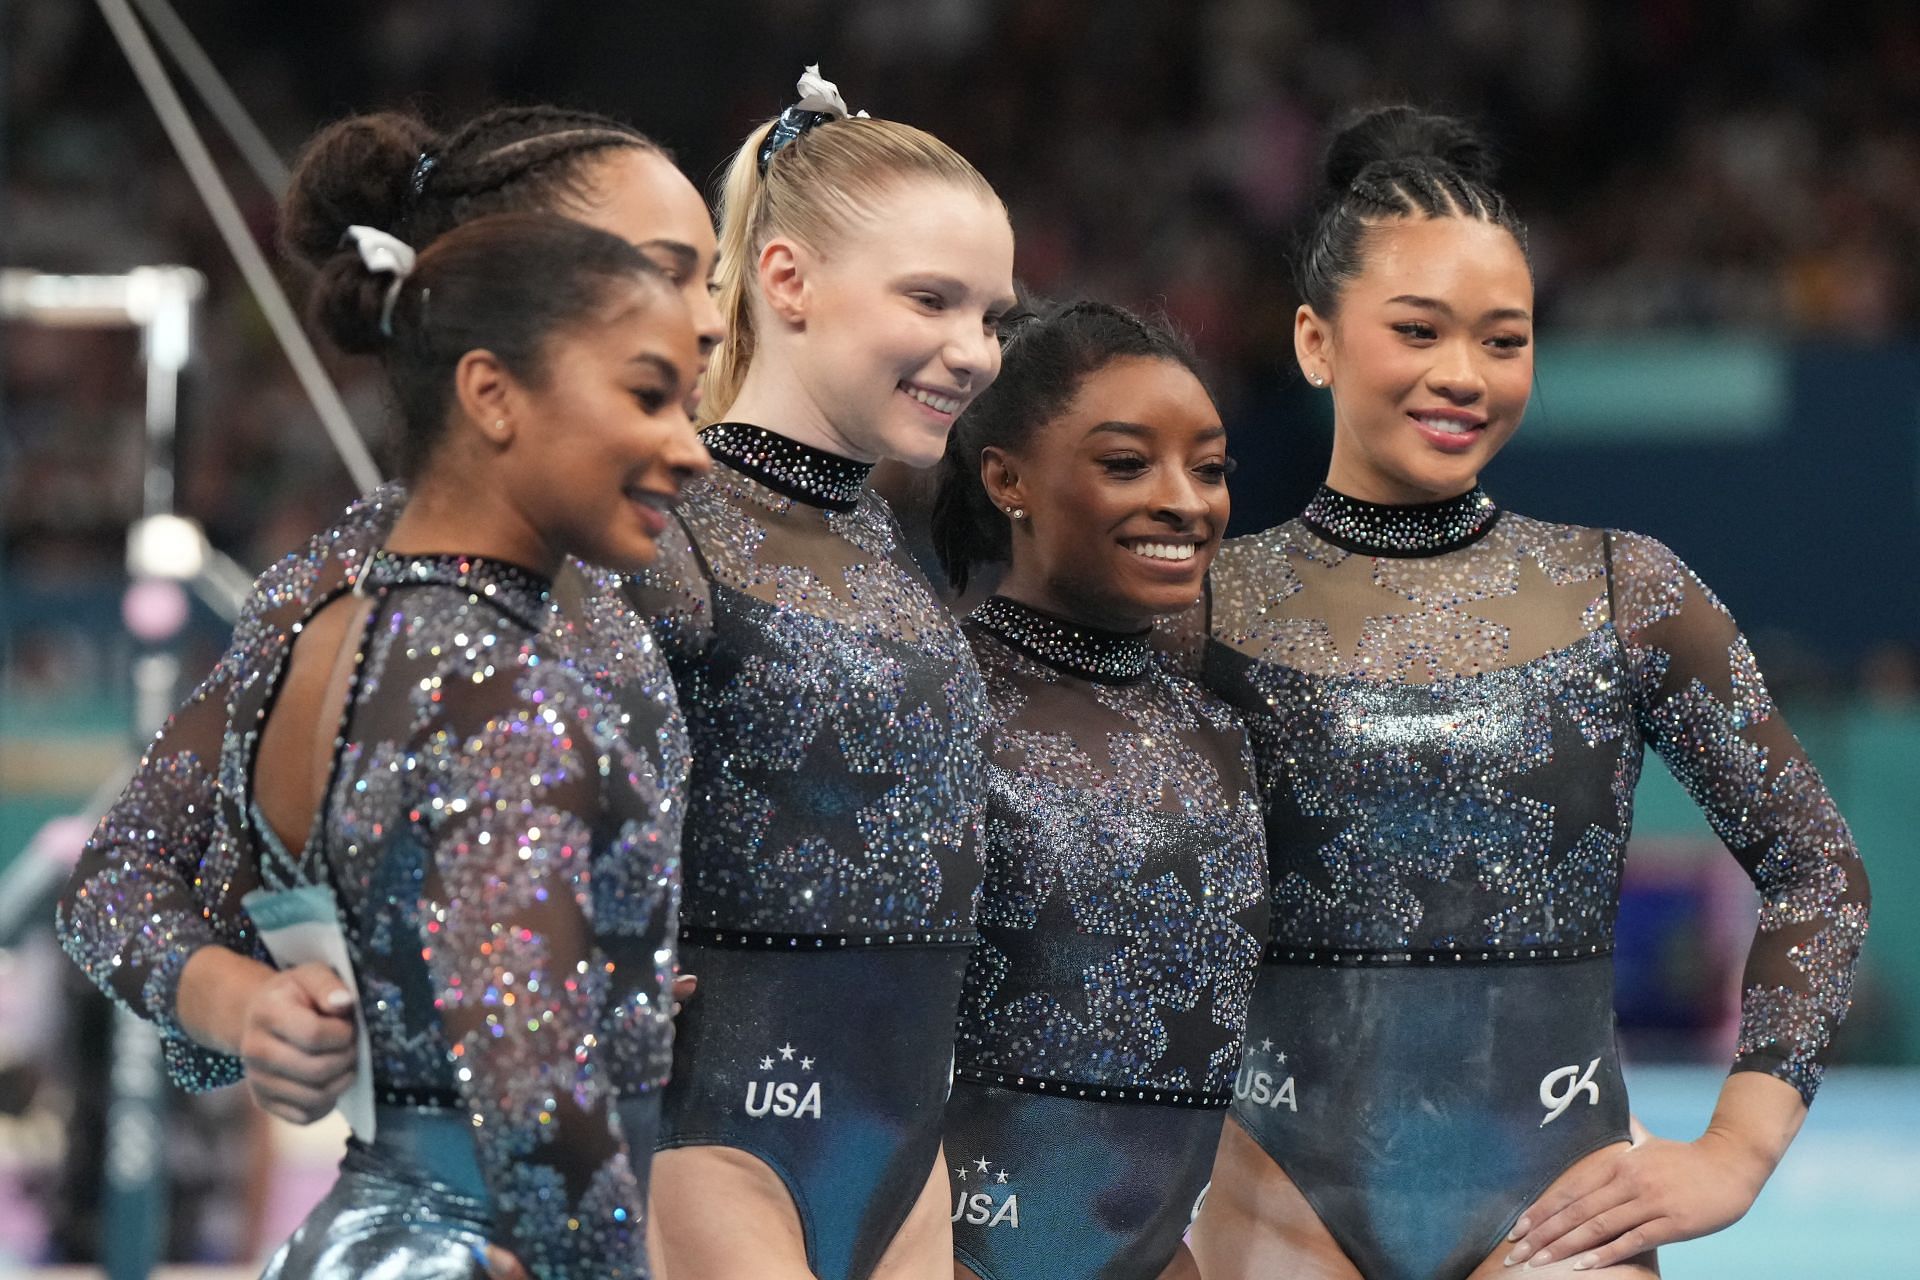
1450, 703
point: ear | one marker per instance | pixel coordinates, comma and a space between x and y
486, 395
1313, 345
783, 271
1000, 476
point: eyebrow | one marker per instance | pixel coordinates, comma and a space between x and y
661, 365
685, 254
951, 284
1434, 304
1141, 431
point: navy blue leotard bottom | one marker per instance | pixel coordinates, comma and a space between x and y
1419, 1108
1047, 1188
832, 1067
413, 1202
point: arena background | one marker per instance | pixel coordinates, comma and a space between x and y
1724, 202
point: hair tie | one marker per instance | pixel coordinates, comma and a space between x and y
384, 254
417, 182
820, 101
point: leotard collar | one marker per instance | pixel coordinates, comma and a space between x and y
800, 471
1420, 529
1108, 657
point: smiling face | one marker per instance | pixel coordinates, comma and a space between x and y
1124, 495
602, 445
1430, 358
893, 329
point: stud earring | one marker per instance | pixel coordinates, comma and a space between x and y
1316, 380
1016, 513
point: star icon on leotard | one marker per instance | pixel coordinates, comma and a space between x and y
766, 1064
1001, 1176
1266, 1046
806, 1064
786, 1053
1280, 1058
961, 1170
981, 1164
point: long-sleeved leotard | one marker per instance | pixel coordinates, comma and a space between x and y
500, 831
832, 844
1122, 921
1449, 704
161, 876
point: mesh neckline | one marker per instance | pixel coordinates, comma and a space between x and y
511, 587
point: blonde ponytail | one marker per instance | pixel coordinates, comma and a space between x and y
813, 190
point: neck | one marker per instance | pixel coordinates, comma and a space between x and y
1356, 478
1027, 587
447, 515
774, 398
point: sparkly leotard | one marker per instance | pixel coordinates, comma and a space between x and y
1122, 920
1449, 705
500, 835
832, 839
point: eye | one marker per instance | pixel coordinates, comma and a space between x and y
651, 399
931, 301
1509, 342
713, 288
993, 322
1217, 470
1124, 465
1418, 330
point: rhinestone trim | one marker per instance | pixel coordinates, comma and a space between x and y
1277, 953
1146, 1094
1423, 529
1110, 657
737, 940
507, 586
799, 471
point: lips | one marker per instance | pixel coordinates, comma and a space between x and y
651, 506
1452, 430
941, 402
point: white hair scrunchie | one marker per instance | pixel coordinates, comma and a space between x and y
384, 254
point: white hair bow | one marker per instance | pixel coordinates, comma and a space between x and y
817, 94
384, 254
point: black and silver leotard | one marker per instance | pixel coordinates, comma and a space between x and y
1449, 705
1121, 923
832, 841
499, 834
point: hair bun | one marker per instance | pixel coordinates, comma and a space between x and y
1386, 135
357, 170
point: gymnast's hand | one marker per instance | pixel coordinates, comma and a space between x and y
1658, 1191
298, 1043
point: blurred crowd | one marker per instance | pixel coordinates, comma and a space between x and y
1682, 163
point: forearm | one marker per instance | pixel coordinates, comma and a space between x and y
216, 988
1755, 1120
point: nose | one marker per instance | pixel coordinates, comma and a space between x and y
972, 356
683, 454
708, 326
1456, 373
1178, 500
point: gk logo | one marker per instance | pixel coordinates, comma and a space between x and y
1577, 1081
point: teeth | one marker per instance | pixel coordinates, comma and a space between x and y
1163, 550
1450, 426
942, 404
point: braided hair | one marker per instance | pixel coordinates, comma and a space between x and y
1387, 164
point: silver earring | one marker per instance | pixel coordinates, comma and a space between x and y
1017, 513
1316, 380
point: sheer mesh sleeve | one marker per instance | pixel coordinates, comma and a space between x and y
535, 794
674, 595
158, 880
1703, 706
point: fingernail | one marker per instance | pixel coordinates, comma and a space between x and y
340, 1000
1584, 1263
1518, 1254
1519, 1229
1540, 1259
